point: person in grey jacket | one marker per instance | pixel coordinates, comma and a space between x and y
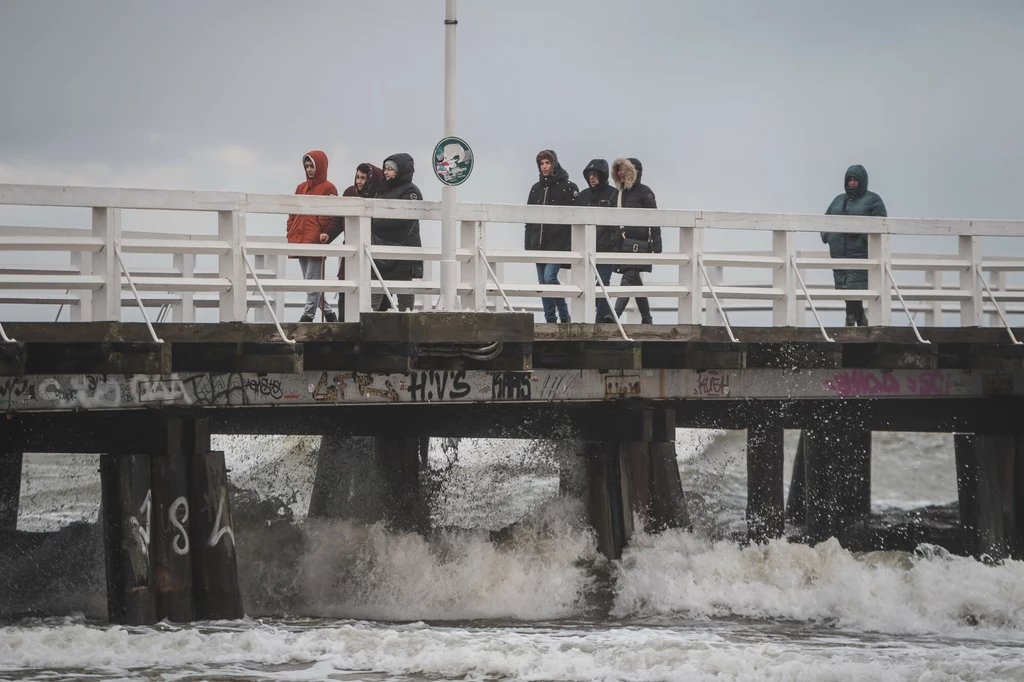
855, 200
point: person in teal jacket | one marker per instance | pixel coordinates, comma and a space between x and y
855, 200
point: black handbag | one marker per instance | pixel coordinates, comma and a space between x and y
636, 245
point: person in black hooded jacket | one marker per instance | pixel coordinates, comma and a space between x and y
600, 193
397, 184
553, 189
634, 194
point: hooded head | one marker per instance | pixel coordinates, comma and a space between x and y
405, 168
557, 173
858, 172
319, 160
374, 176
599, 166
633, 172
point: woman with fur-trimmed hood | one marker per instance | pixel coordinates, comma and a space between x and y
626, 174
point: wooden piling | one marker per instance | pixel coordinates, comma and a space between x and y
171, 544
127, 517
349, 483
608, 496
215, 590
765, 498
10, 489
837, 472
986, 484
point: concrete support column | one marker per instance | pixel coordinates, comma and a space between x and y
988, 477
668, 504
348, 482
399, 460
837, 461
765, 499
127, 517
10, 489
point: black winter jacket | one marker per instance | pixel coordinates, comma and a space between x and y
397, 232
602, 194
554, 190
634, 194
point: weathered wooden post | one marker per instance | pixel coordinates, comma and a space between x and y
215, 591
608, 496
990, 506
10, 489
127, 517
171, 546
765, 499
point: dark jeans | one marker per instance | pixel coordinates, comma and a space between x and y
855, 312
547, 273
604, 310
630, 278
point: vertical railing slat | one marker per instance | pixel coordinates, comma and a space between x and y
106, 225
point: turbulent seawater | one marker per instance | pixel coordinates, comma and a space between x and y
332, 600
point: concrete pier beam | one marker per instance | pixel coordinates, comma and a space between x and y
127, 517
10, 489
987, 472
765, 498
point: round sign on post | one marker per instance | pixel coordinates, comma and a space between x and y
453, 161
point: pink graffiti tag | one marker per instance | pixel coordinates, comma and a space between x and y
934, 382
859, 382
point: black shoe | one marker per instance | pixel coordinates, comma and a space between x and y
306, 318
646, 320
607, 319
329, 316
567, 320
851, 320
862, 321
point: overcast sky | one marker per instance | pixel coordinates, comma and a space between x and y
731, 105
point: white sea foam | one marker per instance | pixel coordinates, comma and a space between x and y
893, 592
419, 652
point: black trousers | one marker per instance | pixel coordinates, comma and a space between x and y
854, 308
630, 278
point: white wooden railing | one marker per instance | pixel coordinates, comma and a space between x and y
92, 282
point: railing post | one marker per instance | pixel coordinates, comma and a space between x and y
972, 308
106, 225
185, 310
879, 309
279, 265
261, 314
584, 241
233, 302
474, 274
933, 313
691, 242
357, 268
784, 309
82, 310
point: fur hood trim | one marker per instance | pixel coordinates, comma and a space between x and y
631, 174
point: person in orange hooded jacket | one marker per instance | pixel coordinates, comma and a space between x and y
306, 229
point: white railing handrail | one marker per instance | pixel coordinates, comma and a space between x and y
190, 200
94, 282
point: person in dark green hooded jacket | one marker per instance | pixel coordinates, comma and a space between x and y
855, 200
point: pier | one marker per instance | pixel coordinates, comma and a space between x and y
174, 336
